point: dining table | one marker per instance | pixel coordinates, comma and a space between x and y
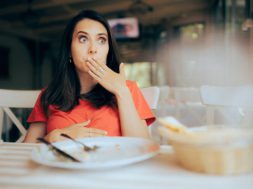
17, 170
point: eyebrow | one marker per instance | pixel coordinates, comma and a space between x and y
88, 34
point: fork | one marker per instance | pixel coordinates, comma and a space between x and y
85, 147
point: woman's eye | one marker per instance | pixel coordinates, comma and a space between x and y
102, 40
82, 39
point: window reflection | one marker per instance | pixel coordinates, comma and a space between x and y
141, 72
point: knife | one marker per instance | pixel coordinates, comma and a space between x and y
61, 152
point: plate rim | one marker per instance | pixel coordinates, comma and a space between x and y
36, 156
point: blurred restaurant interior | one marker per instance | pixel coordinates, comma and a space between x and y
177, 45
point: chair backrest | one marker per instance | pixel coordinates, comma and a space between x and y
16, 99
239, 98
185, 94
151, 94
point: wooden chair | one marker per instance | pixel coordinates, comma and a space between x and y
16, 99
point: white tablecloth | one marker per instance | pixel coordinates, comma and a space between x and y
162, 171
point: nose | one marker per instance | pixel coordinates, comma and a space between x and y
92, 49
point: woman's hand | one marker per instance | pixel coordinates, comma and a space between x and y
110, 80
75, 131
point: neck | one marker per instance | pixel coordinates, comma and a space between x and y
86, 82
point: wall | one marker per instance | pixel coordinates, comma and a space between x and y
20, 64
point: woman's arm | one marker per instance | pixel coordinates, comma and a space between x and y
131, 124
78, 130
35, 131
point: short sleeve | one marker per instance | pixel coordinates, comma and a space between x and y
141, 105
37, 114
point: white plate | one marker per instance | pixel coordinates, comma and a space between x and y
112, 152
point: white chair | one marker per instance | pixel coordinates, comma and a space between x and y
16, 99
239, 98
151, 94
188, 105
227, 96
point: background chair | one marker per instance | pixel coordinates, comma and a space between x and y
237, 100
16, 99
151, 94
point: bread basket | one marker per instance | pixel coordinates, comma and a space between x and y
216, 149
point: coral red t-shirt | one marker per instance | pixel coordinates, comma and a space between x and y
105, 118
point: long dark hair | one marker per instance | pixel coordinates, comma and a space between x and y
64, 89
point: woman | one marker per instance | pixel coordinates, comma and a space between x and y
89, 95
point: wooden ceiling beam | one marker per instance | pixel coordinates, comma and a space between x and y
172, 11
53, 29
163, 9
102, 8
111, 8
149, 18
36, 6
6, 27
